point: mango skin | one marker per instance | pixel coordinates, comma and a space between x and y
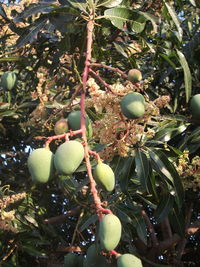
109, 232
133, 105
40, 165
128, 260
71, 260
8, 80
68, 157
74, 121
61, 127
93, 258
195, 106
134, 75
104, 176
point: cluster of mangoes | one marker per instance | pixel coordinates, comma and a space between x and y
73, 122
68, 157
8, 80
109, 235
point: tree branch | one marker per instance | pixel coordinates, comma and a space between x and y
61, 218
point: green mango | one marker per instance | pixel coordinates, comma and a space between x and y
195, 106
128, 260
94, 259
74, 121
68, 157
104, 176
61, 127
8, 80
133, 105
134, 75
40, 165
109, 232
71, 260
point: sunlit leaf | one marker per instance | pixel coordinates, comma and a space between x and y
187, 74
142, 168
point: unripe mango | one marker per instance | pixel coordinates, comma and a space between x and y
68, 157
61, 127
104, 176
109, 232
71, 260
128, 260
133, 105
40, 165
8, 80
195, 106
134, 75
93, 258
74, 121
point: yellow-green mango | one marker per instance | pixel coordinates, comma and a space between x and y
128, 260
8, 80
40, 165
195, 106
68, 157
104, 176
133, 105
109, 232
61, 127
134, 75
71, 260
74, 121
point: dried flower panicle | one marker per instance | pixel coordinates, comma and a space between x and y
189, 170
6, 217
113, 129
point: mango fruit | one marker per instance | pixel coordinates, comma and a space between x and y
68, 157
134, 75
109, 232
8, 80
104, 176
94, 259
61, 127
133, 105
195, 106
74, 122
71, 260
128, 260
40, 165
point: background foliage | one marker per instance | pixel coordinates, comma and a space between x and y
155, 159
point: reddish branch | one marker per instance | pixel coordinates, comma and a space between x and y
61, 218
97, 201
96, 76
125, 76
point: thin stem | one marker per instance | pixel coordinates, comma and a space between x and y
99, 65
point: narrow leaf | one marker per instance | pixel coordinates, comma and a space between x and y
187, 74
33, 9
142, 168
110, 3
30, 33
164, 207
175, 19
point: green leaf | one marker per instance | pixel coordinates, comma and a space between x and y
30, 33
120, 48
92, 220
32, 251
33, 9
152, 18
177, 221
79, 4
110, 3
175, 19
123, 171
167, 58
142, 168
8, 59
118, 16
187, 74
164, 167
164, 207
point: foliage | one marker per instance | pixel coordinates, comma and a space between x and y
154, 158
